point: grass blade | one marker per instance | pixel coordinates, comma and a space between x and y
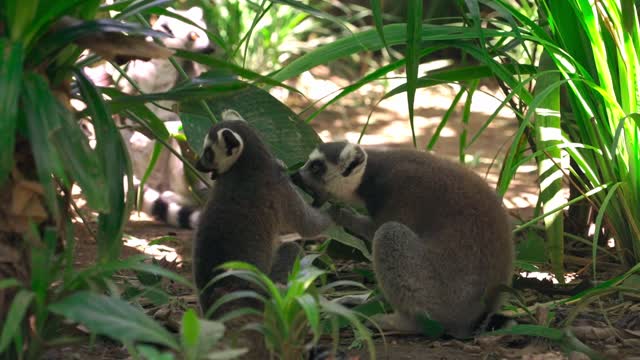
10, 86
376, 11
548, 133
412, 54
466, 113
395, 34
15, 316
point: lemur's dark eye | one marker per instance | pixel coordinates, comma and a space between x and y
208, 155
167, 29
317, 167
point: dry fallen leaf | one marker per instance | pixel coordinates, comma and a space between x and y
26, 204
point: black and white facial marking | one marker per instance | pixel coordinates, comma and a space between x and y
333, 170
185, 36
221, 150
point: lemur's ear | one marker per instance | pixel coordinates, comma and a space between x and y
351, 158
230, 141
231, 114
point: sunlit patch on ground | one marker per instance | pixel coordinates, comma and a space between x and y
139, 216
541, 275
157, 251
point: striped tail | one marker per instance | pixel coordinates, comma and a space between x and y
168, 208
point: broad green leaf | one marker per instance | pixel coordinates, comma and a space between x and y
311, 309
115, 165
15, 317
80, 161
290, 138
10, 87
337, 233
41, 115
20, 16
114, 318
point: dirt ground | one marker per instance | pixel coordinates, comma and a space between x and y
616, 335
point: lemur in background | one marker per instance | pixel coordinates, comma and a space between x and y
167, 182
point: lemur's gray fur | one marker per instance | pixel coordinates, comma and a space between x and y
252, 202
441, 240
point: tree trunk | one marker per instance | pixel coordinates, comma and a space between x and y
21, 206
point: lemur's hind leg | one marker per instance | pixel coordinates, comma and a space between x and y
283, 261
397, 253
397, 322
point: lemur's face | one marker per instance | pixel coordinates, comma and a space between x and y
222, 148
333, 170
184, 35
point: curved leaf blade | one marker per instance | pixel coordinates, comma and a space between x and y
114, 318
11, 60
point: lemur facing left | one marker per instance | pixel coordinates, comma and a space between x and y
252, 203
441, 241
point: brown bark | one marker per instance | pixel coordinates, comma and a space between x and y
21, 203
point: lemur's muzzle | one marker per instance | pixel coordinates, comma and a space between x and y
319, 198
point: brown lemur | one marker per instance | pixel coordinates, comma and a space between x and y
252, 203
441, 240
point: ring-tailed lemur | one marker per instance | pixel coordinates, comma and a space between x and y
441, 241
167, 195
252, 203
159, 75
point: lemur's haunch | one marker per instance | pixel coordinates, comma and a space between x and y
441, 241
251, 204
